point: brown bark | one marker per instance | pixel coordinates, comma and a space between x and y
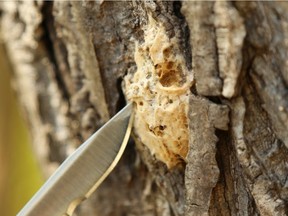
70, 59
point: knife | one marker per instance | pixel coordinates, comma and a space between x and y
82, 172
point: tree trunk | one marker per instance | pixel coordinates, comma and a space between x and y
209, 81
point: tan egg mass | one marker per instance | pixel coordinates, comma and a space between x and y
160, 87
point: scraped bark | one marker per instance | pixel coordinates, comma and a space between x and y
210, 83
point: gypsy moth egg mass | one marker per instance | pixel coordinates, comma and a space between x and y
160, 88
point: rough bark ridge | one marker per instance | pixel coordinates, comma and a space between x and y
70, 59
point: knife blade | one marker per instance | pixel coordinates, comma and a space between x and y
82, 172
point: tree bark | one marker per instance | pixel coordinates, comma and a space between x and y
209, 80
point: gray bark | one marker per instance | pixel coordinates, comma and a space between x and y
220, 74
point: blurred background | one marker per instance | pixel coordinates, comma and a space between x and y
19, 174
